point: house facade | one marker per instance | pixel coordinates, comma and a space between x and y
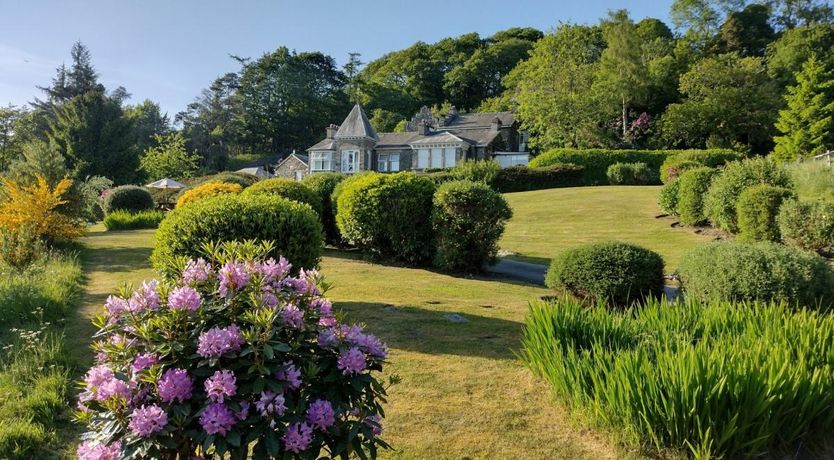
295, 166
429, 142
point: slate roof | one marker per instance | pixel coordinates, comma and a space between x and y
324, 144
356, 125
258, 171
441, 137
397, 139
479, 120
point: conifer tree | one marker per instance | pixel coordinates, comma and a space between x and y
807, 123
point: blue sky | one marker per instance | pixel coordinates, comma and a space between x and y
168, 50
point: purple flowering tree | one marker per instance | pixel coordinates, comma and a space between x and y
235, 358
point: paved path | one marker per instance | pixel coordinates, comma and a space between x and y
524, 271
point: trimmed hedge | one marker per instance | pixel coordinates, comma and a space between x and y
206, 190
693, 185
764, 271
597, 161
688, 159
721, 200
668, 198
388, 215
807, 225
126, 220
468, 220
324, 184
610, 271
630, 174
289, 189
674, 166
522, 178
128, 198
757, 209
242, 179
483, 171
293, 227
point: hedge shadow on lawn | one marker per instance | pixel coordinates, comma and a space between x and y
120, 259
430, 331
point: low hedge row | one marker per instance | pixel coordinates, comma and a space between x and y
597, 161
523, 178
126, 220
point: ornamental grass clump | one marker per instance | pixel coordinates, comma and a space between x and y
715, 380
234, 359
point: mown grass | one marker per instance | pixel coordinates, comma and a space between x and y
463, 392
35, 366
545, 222
814, 180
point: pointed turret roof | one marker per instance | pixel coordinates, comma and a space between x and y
356, 126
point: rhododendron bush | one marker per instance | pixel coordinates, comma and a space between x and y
234, 358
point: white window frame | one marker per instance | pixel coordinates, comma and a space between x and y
356, 154
436, 158
423, 162
321, 161
388, 162
450, 157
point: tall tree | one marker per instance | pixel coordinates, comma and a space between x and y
95, 138
10, 142
287, 97
747, 32
788, 53
622, 76
552, 89
351, 69
148, 122
807, 123
729, 100
168, 158
79, 79
789, 14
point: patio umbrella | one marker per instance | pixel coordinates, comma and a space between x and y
166, 184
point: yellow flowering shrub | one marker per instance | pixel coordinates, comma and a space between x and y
206, 190
35, 209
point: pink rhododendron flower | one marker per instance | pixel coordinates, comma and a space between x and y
320, 414
216, 341
292, 316
274, 271
144, 298
374, 422
143, 361
327, 338
271, 404
217, 419
233, 276
116, 306
94, 450
184, 298
221, 385
197, 271
175, 385
298, 437
147, 420
351, 361
291, 375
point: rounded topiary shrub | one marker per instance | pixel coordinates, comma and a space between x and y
293, 227
692, 188
207, 190
286, 188
668, 198
720, 204
324, 184
469, 220
808, 225
757, 209
630, 174
233, 359
766, 271
128, 198
613, 271
389, 215
674, 166
242, 179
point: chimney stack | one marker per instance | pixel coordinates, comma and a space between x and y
496, 124
331, 131
422, 128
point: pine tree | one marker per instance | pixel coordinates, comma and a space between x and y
807, 124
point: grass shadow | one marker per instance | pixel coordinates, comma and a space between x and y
436, 332
120, 259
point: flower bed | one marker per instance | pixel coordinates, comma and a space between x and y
234, 358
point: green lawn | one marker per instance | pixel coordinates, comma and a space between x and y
546, 222
463, 392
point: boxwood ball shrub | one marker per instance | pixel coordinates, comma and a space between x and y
668, 198
234, 359
293, 227
128, 198
287, 188
206, 190
611, 271
808, 225
389, 215
630, 174
469, 219
757, 209
759, 376
734, 178
324, 184
692, 188
483, 171
766, 271
674, 166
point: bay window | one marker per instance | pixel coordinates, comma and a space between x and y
321, 161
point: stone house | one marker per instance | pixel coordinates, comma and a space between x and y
295, 166
428, 142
